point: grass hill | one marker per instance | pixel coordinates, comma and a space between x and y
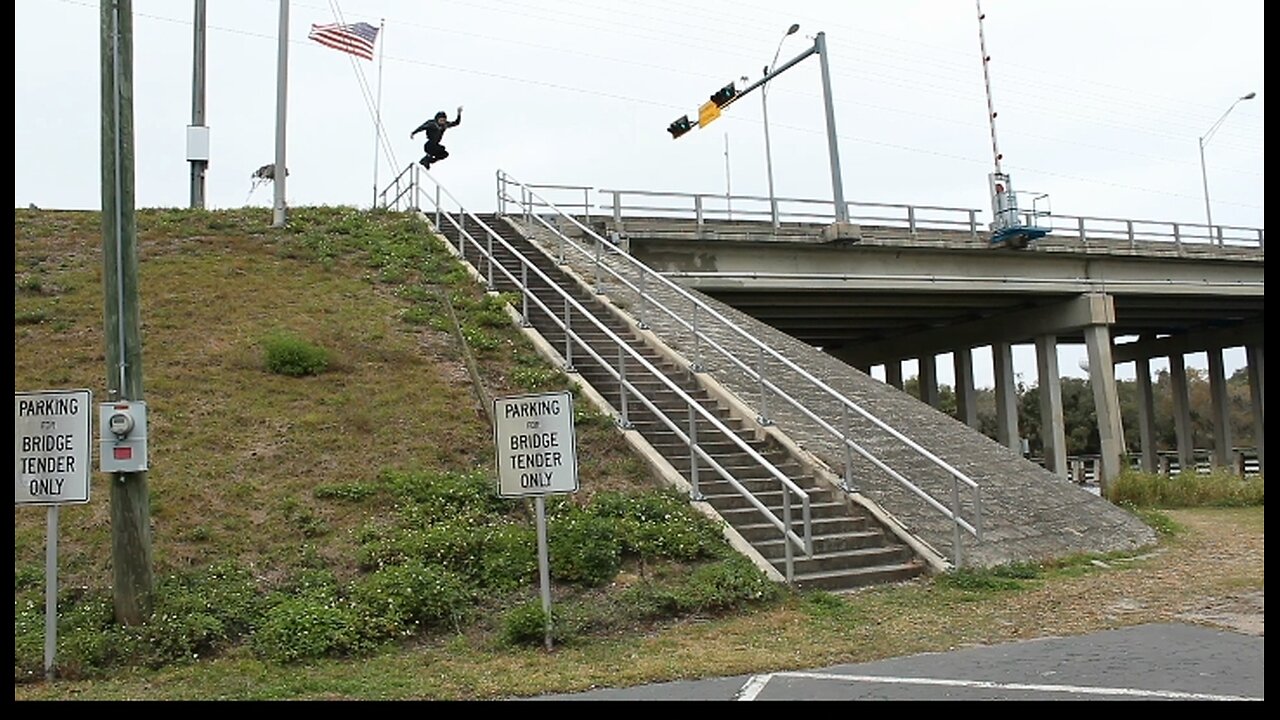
323, 511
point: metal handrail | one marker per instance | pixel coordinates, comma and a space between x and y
785, 524
845, 404
1084, 228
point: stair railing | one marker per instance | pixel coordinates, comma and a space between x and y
529, 200
698, 416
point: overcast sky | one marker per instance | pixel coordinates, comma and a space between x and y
1101, 105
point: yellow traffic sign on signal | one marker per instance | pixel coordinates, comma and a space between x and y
708, 112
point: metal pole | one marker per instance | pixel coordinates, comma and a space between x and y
377, 116
837, 186
1204, 175
544, 572
50, 591
728, 193
198, 167
282, 82
986, 79
764, 104
768, 151
1204, 139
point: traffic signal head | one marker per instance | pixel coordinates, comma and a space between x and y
722, 96
680, 127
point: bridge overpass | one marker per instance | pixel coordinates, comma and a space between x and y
914, 282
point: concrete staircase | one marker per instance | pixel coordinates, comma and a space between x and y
851, 547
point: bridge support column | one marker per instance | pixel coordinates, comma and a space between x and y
966, 396
1106, 403
1221, 415
1052, 431
1182, 412
1253, 359
927, 375
1146, 415
893, 373
1006, 396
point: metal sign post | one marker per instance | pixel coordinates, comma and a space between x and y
537, 456
52, 441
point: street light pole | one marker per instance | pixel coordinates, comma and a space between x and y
1204, 175
764, 104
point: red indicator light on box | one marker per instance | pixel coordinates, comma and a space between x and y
122, 453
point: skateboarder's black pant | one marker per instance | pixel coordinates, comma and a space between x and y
434, 152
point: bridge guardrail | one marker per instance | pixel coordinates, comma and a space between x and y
619, 204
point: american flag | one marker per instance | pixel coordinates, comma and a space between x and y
356, 38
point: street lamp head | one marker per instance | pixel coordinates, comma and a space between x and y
796, 26
1250, 96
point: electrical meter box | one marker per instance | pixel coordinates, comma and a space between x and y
122, 436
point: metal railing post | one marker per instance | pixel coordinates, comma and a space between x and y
524, 295
568, 339
641, 305
763, 416
847, 480
697, 342
622, 388
489, 261
501, 193
955, 512
599, 289
695, 492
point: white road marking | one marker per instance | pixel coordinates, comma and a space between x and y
757, 683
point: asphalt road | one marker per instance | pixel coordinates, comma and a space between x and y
1145, 662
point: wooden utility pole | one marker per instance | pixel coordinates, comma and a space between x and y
133, 582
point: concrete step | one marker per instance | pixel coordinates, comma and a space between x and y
750, 515
756, 529
826, 544
854, 578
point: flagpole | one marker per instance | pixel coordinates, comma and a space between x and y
377, 114
280, 171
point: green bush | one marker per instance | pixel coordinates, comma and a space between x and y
980, 579
1219, 488
397, 600
721, 585
489, 552
526, 625
660, 524
304, 628
89, 642
292, 356
446, 494
196, 614
583, 548
730, 584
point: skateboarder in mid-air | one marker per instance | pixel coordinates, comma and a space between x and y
434, 130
